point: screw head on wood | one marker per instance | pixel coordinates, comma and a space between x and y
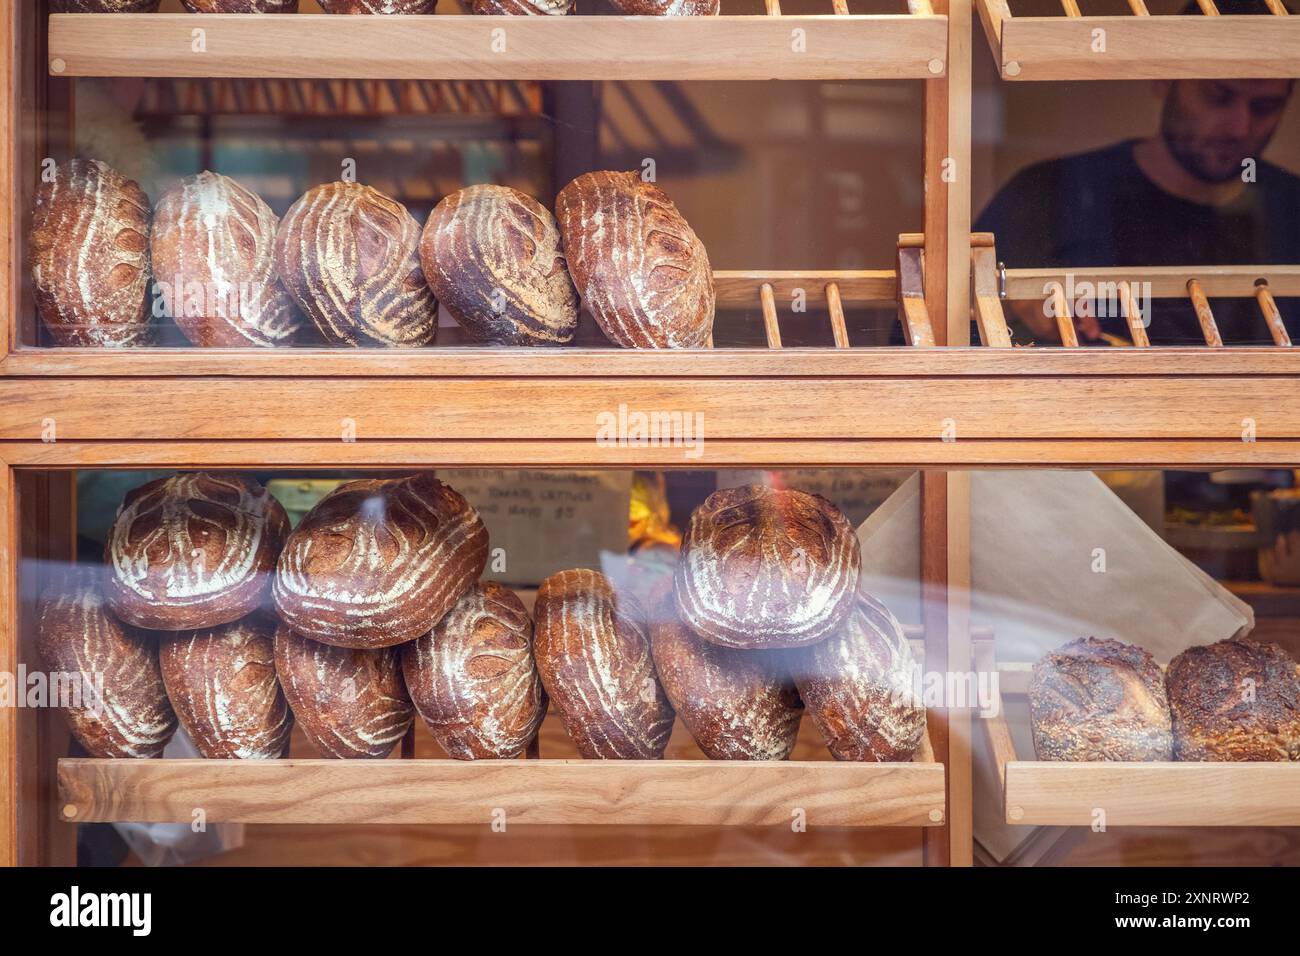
57, 65
936, 815
935, 66
1016, 813
1012, 68
70, 810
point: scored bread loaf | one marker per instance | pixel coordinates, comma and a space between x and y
223, 684
105, 6
473, 677
379, 561
766, 567
1094, 699
379, 6
737, 705
213, 246
90, 256
241, 6
521, 8
594, 659
642, 272
349, 256
125, 711
492, 256
193, 551
667, 8
859, 687
1235, 700
350, 703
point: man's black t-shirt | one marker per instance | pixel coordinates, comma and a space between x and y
1099, 209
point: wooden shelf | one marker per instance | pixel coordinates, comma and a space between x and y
907, 46
609, 792
1141, 47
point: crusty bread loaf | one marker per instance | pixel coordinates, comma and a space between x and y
1235, 700
223, 684
1095, 699
350, 703
213, 246
860, 687
520, 8
492, 256
642, 272
127, 714
349, 256
594, 659
766, 567
379, 6
737, 705
193, 551
105, 6
90, 256
241, 6
474, 679
378, 562
667, 8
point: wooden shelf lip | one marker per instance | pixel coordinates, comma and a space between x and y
609, 792
1153, 794
467, 47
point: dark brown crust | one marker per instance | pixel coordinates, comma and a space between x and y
223, 684
241, 6
1235, 700
105, 6
381, 7
594, 659
763, 567
378, 562
520, 8
1095, 699
667, 8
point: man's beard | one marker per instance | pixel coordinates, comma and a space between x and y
1202, 166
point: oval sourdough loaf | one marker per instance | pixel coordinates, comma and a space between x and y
738, 705
350, 703
127, 714
859, 687
474, 679
667, 8
1095, 699
213, 245
105, 6
1235, 700
594, 659
766, 567
379, 6
379, 561
557, 8
641, 270
492, 256
241, 6
193, 551
223, 684
349, 256
90, 256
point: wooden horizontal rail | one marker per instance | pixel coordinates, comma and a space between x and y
739, 288
663, 793
1165, 281
480, 48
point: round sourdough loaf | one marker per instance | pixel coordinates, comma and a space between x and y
766, 567
350, 703
738, 705
213, 245
859, 687
90, 256
520, 8
594, 659
105, 6
473, 678
492, 256
350, 258
223, 684
1235, 700
1096, 699
126, 712
642, 272
667, 8
379, 561
193, 551
379, 6
241, 6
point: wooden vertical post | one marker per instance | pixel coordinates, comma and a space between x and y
8, 665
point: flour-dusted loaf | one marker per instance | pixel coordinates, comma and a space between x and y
350, 703
642, 272
379, 561
860, 687
193, 551
241, 6
1235, 700
474, 679
492, 256
1094, 699
766, 567
89, 246
737, 705
379, 6
522, 8
349, 256
667, 8
105, 6
594, 658
119, 708
223, 684
213, 247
